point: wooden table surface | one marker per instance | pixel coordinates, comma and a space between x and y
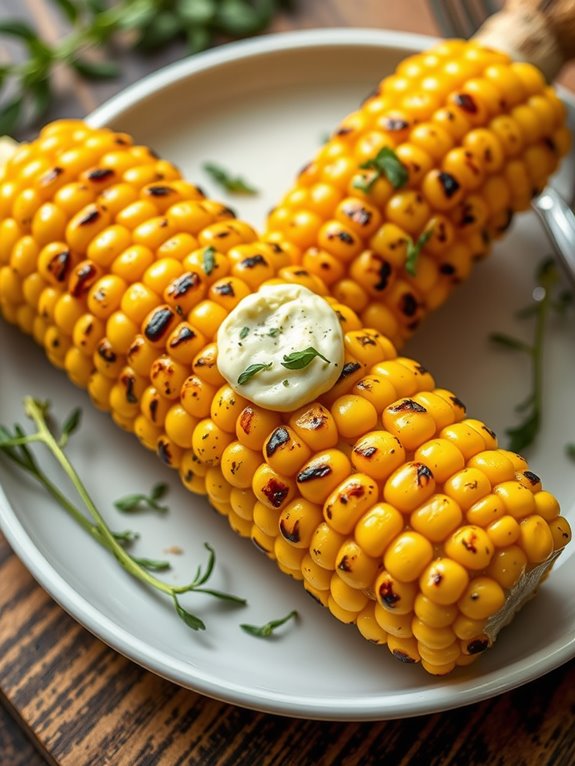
69, 700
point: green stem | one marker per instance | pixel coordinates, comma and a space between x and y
104, 535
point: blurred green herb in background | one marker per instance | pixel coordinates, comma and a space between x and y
26, 86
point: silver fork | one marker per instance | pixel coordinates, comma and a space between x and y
461, 18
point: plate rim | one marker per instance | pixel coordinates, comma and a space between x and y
380, 707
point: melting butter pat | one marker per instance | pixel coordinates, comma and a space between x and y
281, 321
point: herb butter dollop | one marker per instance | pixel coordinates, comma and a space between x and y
281, 347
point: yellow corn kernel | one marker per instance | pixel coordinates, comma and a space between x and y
243, 502
407, 556
375, 530
432, 614
325, 545
467, 486
482, 598
368, 625
517, 499
504, 531
411, 485
284, 451
535, 538
410, 422
442, 456
298, 522
179, 426
209, 442
507, 566
437, 518
346, 597
393, 595
396, 625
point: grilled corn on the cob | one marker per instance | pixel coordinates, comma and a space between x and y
412, 188
396, 510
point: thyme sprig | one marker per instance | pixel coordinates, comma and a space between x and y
15, 445
547, 296
265, 631
145, 25
139, 501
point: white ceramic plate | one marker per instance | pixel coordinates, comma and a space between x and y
261, 108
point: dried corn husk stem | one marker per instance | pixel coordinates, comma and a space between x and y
541, 32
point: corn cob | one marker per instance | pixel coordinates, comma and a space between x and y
413, 187
396, 510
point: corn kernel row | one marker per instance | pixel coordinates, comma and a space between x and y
396, 511
478, 136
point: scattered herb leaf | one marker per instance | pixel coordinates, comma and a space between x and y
140, 502
298, 360
386, 163
274, 332
252, 370
244, 332
232, 184
265, 631
209, 262
414, 249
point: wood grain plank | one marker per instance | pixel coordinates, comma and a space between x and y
16, 749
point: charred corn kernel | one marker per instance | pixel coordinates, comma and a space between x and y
349, 501
315, 425
285, 452
298, 522
204, 364
179, 426
153, 406
536, 539
141, 355
354, 566
410, 422
254, 425
466, 628
378, 454
146, 432
444, 581
156, 325
529, 480
560, 531
437, 518
315, 575
168, 376
197, 396
443, 458
239, 464
184, 343
105, 296
403, 649
471, 547
517, 499
507, 566
432, 614
325, 545
322, 474
271, 488
409, 486
481, 599
467, 486
393, 595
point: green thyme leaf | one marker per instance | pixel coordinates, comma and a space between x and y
386, 163
153, 565
265, 631
414, 249
232, 184
209, 262
140, 502
190, 619
244, 332
71, 425
252, 370
298, 360
96, 70
274, 332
